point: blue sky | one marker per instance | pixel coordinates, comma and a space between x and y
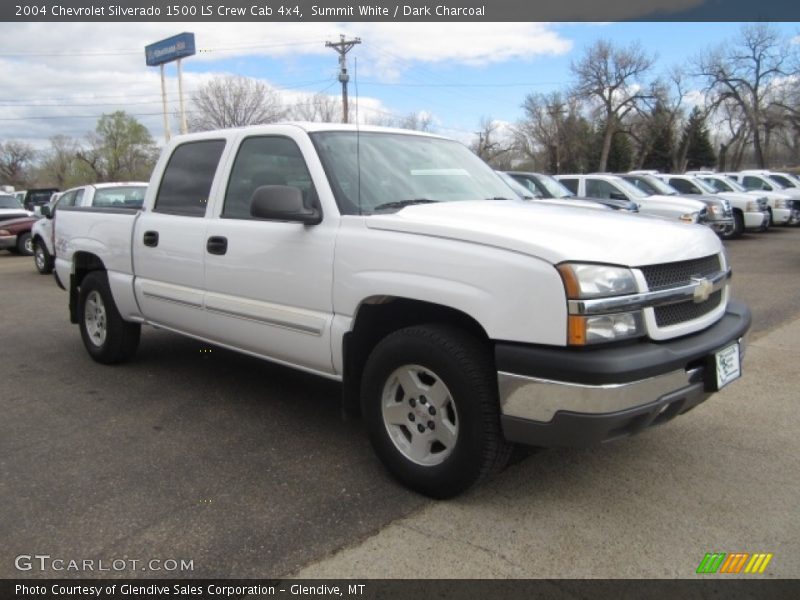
458, 73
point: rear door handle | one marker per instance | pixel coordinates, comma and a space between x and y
150, 238
217, 245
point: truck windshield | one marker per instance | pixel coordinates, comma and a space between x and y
9, 202
368, 170
660, 187
703, 185
554, 187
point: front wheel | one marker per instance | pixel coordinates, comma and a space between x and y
738, 224
429, 397
768, 223
108, 338
41, 257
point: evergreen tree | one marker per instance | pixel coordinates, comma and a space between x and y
620, 154
700, 153
660, 130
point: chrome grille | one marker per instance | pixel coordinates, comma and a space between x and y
673, 314
676, 274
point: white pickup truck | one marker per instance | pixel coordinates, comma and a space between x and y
459, 323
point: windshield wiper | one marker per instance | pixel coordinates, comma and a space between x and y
402, 203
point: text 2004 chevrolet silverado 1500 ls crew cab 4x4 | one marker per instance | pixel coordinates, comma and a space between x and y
458, 321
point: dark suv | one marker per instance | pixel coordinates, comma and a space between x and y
38, 197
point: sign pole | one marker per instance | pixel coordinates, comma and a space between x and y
184, 128
158, 54
164, 102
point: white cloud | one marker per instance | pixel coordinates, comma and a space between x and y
82, 69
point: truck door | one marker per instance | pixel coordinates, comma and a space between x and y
169, 240
269, 283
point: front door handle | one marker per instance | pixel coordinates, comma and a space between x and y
150, 238
217, 245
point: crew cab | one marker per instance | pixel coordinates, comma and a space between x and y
125, 194
611, 186
457, 323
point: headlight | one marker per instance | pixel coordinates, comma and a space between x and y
753, 206
690, 217
781, 203
583, 281
586, 282
604, 328
714, 210
5, 232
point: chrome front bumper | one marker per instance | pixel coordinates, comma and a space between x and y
567, 397
540, 399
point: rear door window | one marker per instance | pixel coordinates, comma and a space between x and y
187, 180
570, 184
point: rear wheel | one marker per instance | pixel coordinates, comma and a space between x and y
42, 258
429, 397
108, 338
24, 244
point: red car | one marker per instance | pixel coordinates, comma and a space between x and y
15, 235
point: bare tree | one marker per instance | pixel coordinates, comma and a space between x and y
15, 160
612, 78
234, 101
491, 145
746, 73
419, 121
540, 130
58, 164
320, 108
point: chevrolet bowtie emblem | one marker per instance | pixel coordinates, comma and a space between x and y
702, 290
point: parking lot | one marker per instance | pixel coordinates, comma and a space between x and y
191, 452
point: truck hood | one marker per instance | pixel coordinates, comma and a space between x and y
553, 233
678, 204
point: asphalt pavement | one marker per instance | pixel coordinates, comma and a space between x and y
246, 469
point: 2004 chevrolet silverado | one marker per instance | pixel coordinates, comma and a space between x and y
459, 321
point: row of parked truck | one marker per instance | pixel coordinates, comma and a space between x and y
729, 203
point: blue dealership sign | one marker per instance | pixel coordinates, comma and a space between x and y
173, 48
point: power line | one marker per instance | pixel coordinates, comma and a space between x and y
460, 85
12, 104
134, 52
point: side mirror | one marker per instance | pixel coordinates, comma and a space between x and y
282, 203
617, 196
45, 211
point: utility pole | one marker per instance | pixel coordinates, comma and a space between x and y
556, 110
342, 47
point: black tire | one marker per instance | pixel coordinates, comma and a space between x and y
738, 224
435, 354
729, 233
24, 244
119, 339
41, 258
